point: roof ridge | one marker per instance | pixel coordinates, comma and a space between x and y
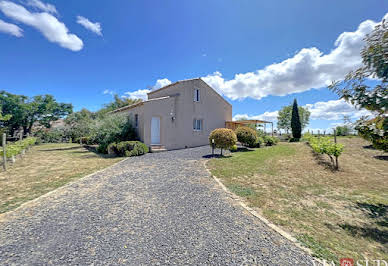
172, 84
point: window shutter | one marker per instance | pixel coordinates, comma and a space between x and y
198, 96
194, 123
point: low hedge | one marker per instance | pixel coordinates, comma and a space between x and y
128, 148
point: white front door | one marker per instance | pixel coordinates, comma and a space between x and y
155, 130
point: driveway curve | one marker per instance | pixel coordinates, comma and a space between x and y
157, 209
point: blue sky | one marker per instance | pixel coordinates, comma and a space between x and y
258, 54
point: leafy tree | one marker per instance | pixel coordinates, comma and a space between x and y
79, 124
117, 102
296, 125
285, 114
25, 111
354, 89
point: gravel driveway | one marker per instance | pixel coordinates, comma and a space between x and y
159, 208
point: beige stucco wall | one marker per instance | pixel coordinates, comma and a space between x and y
211, 108
177, 113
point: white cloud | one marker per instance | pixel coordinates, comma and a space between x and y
42, 6
108, 92
160, 83
92, 26
10, 29
307, 69
54, 30
139, 94
330, 110
335, 110
267, 116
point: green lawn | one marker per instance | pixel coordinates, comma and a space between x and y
45, 168
336, 214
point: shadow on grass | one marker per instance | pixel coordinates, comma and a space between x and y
325, 162
379, 215
209, 156
381, 157
242, 149
63, 149
369, 147
94, 150
370, 232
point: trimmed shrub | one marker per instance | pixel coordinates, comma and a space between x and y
233, 148
259, 142
270, 141
224, 138
246, 136
127, 148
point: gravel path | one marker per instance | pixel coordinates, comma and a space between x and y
155, 209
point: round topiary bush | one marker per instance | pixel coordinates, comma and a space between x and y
246, 136
224, 138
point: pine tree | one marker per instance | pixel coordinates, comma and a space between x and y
296, 126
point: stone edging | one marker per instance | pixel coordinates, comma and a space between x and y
259, 216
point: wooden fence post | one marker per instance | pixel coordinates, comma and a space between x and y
5, 151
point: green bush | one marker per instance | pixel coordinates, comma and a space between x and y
246, 136
16, 148
112, 129
342, 130
259, 142
50, 135
224, 138
127, 148
85, 140
375, 130
270, 141
233, 148
324, 145
294, 140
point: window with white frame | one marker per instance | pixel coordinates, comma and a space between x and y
136, 120
197, 96
197, 124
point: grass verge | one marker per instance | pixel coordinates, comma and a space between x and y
335, 213
45, 168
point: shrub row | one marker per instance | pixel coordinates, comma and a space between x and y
324, 145
226, 138
254, 139
127, 148
18, 146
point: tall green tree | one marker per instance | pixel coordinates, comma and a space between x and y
354, 87
285, 114
25, 111
117, 102
296, 125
